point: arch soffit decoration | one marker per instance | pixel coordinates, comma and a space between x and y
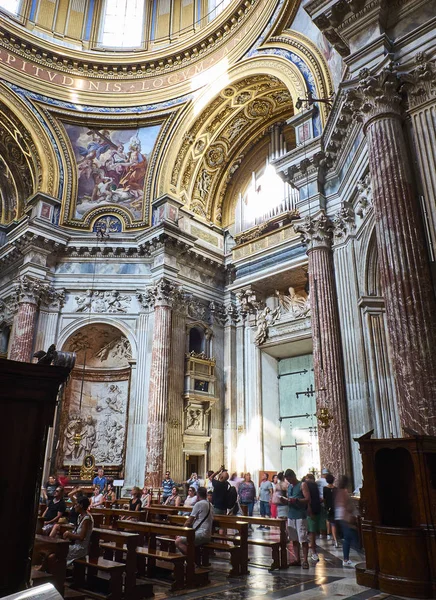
81, 323
30, 139
194, 141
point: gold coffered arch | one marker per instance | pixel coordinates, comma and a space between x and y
220, 126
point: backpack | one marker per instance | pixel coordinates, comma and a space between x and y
231, 496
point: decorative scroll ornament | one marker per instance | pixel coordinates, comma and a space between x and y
375, 95
102, 302
316, 232
265, 319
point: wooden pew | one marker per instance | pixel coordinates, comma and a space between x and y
278, 549
53, 553
111, 515
115, 544
152, 531
85, 574
238, 551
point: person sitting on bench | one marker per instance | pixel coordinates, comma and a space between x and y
191, 499
174, 499
55, 510
201, 519
82, 533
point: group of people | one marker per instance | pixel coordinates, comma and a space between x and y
311, 507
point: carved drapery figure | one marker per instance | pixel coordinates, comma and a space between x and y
265, 318
296, 304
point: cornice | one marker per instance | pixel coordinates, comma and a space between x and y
135, 73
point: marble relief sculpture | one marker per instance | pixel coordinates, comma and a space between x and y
295, 304
102, 302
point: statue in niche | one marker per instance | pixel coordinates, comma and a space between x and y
264, 319
294, 303
195, 419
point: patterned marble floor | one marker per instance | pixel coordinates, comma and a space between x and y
325, 579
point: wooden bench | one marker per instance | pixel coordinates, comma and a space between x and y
278, 548
85, 578
193, 576
109, 516
238, 551
53, 553
116, 545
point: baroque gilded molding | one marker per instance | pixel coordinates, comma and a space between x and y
316, 232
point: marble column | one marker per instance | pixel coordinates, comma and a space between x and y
28, 292
230, 396
334, 443
175, 459
405, 272
163, 295
135, 464
241, 465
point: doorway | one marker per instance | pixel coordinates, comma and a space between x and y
195, 464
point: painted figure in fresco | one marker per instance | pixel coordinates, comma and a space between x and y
99, 144
133, 180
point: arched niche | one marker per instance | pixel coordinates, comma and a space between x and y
198, 339
94, 411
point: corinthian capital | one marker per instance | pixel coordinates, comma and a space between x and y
375, 95
51, 298
163, 293
28, 289
316, 232
420, 83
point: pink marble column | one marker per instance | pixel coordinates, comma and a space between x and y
328, 366
163, 296
28, 291
409, 296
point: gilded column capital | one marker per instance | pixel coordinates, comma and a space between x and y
375, 96
316, 232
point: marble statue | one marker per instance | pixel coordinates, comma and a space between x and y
294, 303
264, 319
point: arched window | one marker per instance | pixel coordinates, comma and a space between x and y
11, 6
123, 24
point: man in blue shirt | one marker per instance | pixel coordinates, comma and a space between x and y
100, 480
167, 485
298, 499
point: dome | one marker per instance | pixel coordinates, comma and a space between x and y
117, 25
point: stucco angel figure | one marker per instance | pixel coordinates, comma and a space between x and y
265, 318
294, 303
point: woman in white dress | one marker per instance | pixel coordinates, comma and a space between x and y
82, 533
